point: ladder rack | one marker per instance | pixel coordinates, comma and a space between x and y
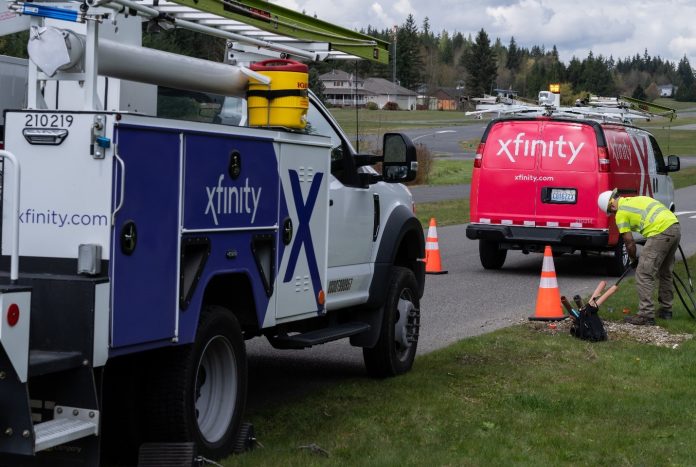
619, 110
260, 24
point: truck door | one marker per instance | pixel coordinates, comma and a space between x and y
352, 211
661, 182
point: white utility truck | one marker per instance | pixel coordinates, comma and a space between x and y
139, 252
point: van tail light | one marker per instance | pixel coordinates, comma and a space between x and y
603, 158
479, 155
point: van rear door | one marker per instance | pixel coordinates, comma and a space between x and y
567, 180
503, 186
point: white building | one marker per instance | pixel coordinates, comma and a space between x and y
381, 91
342, 89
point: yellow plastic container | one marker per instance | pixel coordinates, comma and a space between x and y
284, 102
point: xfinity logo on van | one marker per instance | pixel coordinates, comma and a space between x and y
520, 146
620, 151
226, 200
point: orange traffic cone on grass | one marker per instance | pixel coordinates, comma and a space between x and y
548, 305
433, 263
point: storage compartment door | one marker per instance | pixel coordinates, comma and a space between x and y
304, 229
145, 252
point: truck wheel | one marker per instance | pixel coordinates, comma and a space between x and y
396, 347
618, 261
491, 256
198, 391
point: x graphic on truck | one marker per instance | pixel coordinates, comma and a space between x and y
304, 234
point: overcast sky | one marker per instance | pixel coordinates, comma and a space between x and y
619, 28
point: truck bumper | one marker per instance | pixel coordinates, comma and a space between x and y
521, 236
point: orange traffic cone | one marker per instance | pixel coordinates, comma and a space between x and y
548, 305
433, 265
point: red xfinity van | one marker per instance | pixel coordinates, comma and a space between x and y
536, 182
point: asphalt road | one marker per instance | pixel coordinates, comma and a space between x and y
466, 302
446, 141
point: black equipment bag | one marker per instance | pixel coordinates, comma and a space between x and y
588, 325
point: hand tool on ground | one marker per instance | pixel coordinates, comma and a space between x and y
571, 311
578, 301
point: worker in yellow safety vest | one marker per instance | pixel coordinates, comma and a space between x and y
660, 227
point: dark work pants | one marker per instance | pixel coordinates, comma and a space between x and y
657, 261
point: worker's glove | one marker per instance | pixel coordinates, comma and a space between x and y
634, 263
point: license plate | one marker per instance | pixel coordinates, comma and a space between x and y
563, 195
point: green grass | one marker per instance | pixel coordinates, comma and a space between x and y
448, 212
685, 177
450, 172
672, 104
524, 395
677, 142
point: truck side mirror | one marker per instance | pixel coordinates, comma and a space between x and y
673, 164
400, 162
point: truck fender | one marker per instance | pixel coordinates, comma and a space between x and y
402, 244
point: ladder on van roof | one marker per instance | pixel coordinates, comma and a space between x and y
620, 109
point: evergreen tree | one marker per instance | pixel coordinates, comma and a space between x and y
514, 57
446, 49
185, 42
315, 84
14, 45
480, 64
409, 64
639, 93
685, 72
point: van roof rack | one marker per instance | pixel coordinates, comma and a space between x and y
620, 109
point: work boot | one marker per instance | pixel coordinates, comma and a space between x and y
665, 314
640, 320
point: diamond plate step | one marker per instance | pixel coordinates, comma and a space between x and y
68, 425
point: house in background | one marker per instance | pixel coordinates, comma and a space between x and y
380, 91
445, 99
667, 90
341, 89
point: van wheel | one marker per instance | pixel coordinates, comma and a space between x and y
618, 261
398, 337
492, 257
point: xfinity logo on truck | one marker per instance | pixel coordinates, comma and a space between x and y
226, 200
514, 148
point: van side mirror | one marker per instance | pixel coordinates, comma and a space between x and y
673, 164
400, 162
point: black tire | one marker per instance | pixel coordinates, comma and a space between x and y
197, 393
618, 261
246, 439
492, 257
398, 339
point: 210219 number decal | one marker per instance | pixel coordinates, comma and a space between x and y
41, 120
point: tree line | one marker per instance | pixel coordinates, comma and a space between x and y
479, 65
421, 59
